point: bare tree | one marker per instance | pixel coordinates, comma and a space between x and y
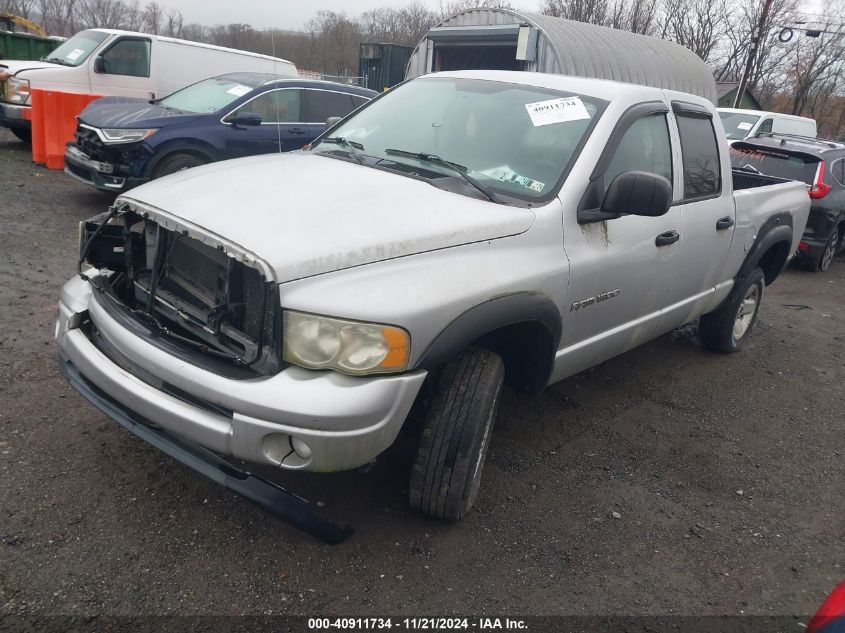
153, 16
817, 64
700, 25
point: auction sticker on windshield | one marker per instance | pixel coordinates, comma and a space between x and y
506, 174
557, 111
238, 91
74, 54
744, 126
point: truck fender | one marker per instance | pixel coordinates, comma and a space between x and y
533, 310
776, 230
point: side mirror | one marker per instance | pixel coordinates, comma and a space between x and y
246, 119
99, 64
638, 193
332, 121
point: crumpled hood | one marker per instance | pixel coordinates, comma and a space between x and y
13, 66
129, 112
304, 214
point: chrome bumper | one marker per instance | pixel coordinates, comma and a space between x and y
297, 419
14, 115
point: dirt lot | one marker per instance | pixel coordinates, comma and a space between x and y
727, 473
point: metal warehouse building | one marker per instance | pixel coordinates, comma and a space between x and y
502, 39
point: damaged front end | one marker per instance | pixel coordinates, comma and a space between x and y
186, 286
115, 168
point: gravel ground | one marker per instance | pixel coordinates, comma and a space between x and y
669, 480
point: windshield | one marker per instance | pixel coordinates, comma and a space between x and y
511, 139
209, 95
77, 49
738, 125
774, 163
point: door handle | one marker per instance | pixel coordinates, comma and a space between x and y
724, 223
669, 237
297, 131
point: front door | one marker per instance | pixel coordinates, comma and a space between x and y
281, 130
123, 69
620, 269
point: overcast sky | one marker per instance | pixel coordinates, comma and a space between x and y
284, 14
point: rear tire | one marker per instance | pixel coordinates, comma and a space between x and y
23, 135
178, 161
726, 328
822, 262
456, 433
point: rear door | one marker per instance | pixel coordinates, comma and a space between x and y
707, 215
281, 126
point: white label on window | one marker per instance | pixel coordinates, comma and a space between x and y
239, 91
744, 126
74, 54
557, 111
506, 174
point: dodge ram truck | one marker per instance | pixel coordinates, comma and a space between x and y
463, 231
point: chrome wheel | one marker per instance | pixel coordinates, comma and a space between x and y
747, 310
829, 251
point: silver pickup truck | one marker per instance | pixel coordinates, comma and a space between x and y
463, 231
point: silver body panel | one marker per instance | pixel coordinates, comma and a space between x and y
358, 243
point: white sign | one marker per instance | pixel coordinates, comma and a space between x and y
239, 91
557, 111
74, 54
744, 126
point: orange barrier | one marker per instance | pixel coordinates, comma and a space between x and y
54, 124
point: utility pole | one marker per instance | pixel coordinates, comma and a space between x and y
756, 35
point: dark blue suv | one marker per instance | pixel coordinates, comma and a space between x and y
123, 142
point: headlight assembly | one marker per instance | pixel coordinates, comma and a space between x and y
17, 90
350, 347
115, 136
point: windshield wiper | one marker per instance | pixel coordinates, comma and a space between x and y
57, 60
345, 142
456, 168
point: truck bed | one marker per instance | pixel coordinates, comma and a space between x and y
743, 179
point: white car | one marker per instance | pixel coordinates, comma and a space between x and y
113, 63
741, 124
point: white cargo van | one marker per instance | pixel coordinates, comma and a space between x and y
121, 63
740, 124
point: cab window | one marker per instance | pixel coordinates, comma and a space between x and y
276, 106
644, 147
130, 57
700, 152
765, 127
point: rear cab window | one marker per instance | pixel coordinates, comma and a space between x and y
699, 152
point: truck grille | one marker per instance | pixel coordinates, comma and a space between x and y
214, 298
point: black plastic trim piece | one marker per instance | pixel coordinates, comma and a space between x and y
490, 316
777, 228
272, 498
691, 109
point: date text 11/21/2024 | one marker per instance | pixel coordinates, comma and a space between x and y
417, 624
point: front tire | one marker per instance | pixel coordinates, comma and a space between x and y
456, 433
178, 161
726, 328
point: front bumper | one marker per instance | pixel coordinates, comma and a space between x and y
334, 422
15, 116
95, 173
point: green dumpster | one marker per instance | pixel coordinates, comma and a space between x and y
25, 46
